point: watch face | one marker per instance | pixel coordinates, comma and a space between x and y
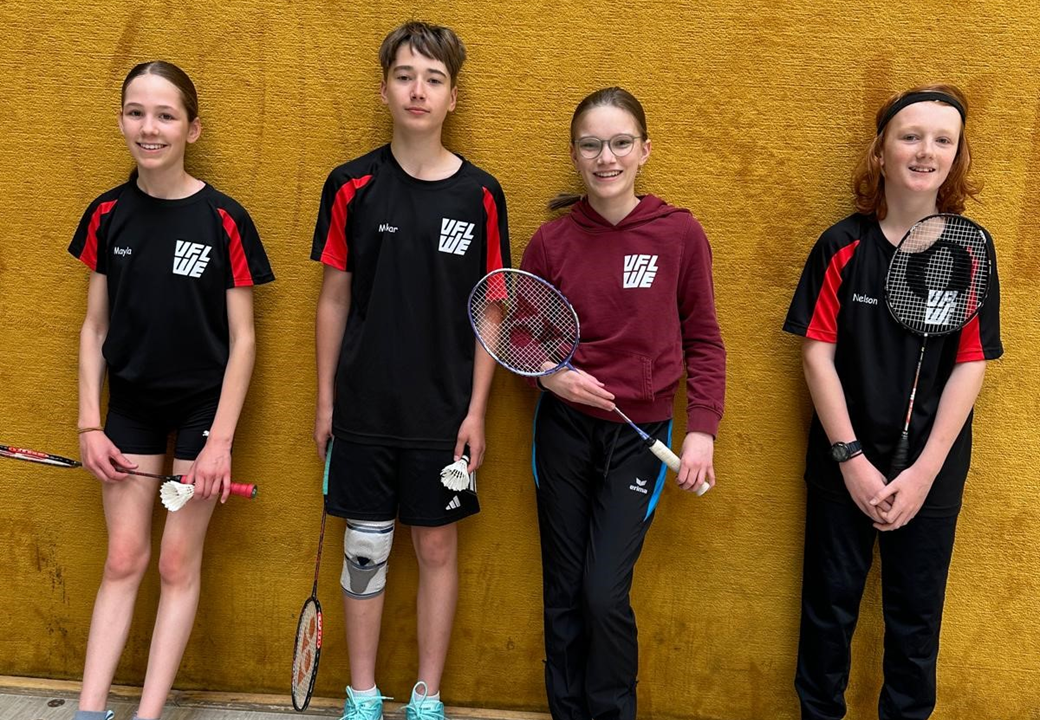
839, 452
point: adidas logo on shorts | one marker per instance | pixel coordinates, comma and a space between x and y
455, 504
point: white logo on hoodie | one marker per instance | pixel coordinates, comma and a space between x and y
640, 271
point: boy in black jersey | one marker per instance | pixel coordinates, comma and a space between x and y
404, 232
859, 364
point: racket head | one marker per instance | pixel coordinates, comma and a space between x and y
523, 322
17, 453
306, 653
938, 278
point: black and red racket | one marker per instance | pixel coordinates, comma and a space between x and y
173, 497
17, 453
937, 282
307, 650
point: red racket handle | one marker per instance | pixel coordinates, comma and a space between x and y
246, 490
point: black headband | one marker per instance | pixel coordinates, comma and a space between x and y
917, 97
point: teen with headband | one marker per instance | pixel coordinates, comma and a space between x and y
858, 363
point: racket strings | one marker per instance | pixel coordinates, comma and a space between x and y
938, 275
524, 323
307, 642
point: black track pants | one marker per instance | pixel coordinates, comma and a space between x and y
915, 560
598, 487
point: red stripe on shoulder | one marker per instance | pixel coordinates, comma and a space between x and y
335, 251
89, 254
239, 265
969, 348
494, 240
824, 323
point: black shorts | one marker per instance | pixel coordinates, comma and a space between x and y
377, 482
143, 428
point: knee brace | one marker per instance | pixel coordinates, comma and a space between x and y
366, 550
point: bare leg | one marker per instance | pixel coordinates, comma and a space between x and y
180, 563
128, 516
436, 549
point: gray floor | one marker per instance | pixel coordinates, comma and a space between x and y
56, 700
44, 707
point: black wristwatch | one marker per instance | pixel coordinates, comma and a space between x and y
840, 452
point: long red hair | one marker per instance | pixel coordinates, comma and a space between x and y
868, 183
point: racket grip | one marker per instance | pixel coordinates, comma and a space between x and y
900, 457
664, 454
246, 490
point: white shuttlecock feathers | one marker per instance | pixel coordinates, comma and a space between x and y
456, 476
175, 495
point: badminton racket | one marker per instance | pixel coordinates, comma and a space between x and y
17, 453
307, 650
937, 281
530, 328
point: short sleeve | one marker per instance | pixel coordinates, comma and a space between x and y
331, 235
816, 302
980, 338
90, 242
247, 260
496, 231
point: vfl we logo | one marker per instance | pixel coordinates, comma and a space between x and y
456, 236
190, 259
640, 271
942, 304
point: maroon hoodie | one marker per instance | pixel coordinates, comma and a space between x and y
645, 301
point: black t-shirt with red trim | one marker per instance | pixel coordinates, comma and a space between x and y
841, 299
415, 249
168, 264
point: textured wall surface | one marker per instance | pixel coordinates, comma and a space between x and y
757, 113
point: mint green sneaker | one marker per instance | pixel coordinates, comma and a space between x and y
363, 708
420, 707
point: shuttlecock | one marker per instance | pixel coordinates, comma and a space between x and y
456, 476
175, 495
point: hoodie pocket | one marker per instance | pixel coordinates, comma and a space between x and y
630, 376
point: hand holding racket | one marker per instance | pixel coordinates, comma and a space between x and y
937, 282
531, 329
182, 490
101, 457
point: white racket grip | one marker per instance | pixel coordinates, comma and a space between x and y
665, 455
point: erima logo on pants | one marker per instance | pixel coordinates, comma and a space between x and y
190, 259
639, 487
456, 236
640, 271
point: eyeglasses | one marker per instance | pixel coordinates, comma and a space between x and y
620, 145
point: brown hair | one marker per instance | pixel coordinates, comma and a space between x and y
177, 77
433, 41
614, 97
868, 182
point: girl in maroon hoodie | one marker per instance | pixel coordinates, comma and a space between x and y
638, 272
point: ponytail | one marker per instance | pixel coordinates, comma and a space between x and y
563, 200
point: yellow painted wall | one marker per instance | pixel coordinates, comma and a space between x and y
757, 112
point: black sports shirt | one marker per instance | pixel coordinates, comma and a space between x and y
168, 265
841, 299
415, 249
